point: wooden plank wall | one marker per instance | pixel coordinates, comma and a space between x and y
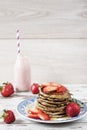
53, 34
43, 18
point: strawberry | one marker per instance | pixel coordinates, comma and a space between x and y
49, 89
61, 89
43, 115
45, 84
50, 84
55, 84
35, 88
38, 114
33, 111
7, 89
33, 115
8, 116
72, 109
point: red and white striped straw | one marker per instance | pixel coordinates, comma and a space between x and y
18, 42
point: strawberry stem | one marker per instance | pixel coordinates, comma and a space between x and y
4, 83
1, 88
4, 110
3, 115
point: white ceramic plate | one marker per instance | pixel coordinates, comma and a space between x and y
22, 106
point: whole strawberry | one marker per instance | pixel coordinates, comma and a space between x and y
8, 116
7, 89
72, 109
35, 88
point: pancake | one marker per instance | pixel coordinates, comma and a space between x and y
55, 113
52, 102
58, 116
52, 109
56, 96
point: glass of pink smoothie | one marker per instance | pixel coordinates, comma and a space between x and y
22, 74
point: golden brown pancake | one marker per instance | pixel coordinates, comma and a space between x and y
55, 95
53, 103
51, 108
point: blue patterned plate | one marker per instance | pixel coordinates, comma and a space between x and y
23, 105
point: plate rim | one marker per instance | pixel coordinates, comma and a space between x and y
69, 119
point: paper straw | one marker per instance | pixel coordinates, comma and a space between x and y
18, 42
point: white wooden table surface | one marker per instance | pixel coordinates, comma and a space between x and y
79, 92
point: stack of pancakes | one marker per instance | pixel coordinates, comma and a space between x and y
53, 103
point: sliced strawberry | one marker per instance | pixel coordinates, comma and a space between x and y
43, 115
55, 84
45, 84
61, 89
33, 115
33, 111
49, 84
38, 114
48, 89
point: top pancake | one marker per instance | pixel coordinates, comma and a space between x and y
55, 96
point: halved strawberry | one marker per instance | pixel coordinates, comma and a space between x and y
33, 111
55, 84
43, 115
33, 115
38, 114
61, 89
48, 89
45, 84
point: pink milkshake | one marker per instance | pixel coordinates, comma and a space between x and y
22, 74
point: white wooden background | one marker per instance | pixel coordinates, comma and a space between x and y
63, 60
53, 35
43, 18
